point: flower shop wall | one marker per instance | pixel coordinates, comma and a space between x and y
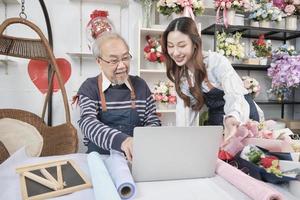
68, 20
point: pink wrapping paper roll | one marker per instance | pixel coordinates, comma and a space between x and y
255, 189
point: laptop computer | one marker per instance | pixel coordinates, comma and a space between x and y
172, 153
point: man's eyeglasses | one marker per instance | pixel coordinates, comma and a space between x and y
116, 61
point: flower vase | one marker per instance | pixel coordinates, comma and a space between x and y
230, 16
279, 25
239, 20
264, 24
154, 65
147, 9
164, 106
291, 22
254, 23
263, 61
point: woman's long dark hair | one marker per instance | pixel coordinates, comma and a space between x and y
188, 27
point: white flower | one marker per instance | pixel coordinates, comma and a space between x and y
222, 52
255, 89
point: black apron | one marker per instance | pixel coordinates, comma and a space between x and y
124, 120
214, 100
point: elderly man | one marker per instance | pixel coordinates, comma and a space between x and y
113, 103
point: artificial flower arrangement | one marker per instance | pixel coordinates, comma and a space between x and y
261, 47
164, 92
152, 50
285, 74
229, 45
286, 49
237, 5
256, 156
167, 7
267, 12
252, 85
291, 7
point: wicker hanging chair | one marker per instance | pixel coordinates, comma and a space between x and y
58, 140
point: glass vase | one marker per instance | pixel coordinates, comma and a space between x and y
147, 10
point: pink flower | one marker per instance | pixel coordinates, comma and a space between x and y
185, 3
267, 134
289, 9
296, 2
172, 99
158, 97
165, 98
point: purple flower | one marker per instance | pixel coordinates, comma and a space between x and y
284, 72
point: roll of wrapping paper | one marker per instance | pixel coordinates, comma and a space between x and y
120, 173
255, 189
104, 188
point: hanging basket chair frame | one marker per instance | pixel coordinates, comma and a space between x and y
58, 140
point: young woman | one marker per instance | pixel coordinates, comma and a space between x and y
204, 78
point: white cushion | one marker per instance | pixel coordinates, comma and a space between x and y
15, 134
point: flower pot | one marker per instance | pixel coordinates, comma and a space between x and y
154, 65
254, 23
165, 106
239, 20
234, 60
279, 25
230, 17
291, 22
264, 24
263, 61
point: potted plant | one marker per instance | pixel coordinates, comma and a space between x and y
263, 49
164, 95
285, 74
265, 13
153, 53
252, 85
229, 45
230, 8
291, 8
181, 7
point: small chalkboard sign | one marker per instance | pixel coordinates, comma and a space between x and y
51, 179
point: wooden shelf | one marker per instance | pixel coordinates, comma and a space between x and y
250, 67
253, 32
122, 3
152, 70
11, 1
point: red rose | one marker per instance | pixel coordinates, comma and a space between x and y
224, 155
267, 161
147, 49
152, 57
99, 13
162, 58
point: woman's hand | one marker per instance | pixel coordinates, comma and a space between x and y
127, 147
231, 124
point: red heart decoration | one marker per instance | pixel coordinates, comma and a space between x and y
38, 73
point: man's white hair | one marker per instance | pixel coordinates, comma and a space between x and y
96, 48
